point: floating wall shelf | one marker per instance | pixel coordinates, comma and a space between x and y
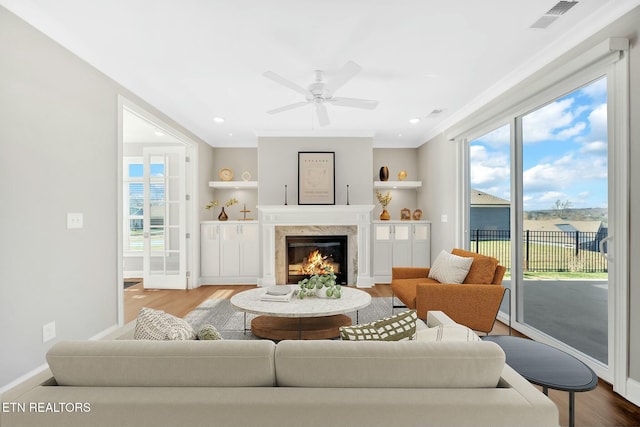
233, 184
390, 185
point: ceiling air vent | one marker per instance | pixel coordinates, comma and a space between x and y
554, 13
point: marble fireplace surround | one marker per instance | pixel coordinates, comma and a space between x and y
351, 231
276, 222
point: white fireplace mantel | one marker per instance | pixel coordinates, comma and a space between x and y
271, 217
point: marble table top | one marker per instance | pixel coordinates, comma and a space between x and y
250, 302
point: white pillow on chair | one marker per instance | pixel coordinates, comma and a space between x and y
449, 268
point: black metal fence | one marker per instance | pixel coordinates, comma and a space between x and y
573, 251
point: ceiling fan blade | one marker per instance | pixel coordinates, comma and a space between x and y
285, 82
321, 112
367, 104
287, 107
345, 74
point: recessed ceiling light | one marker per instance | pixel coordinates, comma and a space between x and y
230, 134
218, 119
414, 120
400, 135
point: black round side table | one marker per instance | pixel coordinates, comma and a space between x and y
547, 366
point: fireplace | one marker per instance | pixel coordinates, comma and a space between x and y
307, 255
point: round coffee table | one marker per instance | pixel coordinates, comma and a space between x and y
308, 318
547, 366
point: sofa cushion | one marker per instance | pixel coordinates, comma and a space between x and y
402, 364
447, 333
142, 363
157, 325
450, 268
482, 269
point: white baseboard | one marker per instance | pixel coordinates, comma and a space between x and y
24, 378
633, 391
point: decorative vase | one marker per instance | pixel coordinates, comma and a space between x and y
384, 173
322, 292
384, 215
223, 215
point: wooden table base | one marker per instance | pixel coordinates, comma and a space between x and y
306, 328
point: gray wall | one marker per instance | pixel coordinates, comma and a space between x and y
437, 157
58, 130
278, 165
438, 161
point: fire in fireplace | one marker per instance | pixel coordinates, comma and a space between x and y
308, 255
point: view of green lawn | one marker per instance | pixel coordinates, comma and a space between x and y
547, 261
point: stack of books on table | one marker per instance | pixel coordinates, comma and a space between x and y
278, 293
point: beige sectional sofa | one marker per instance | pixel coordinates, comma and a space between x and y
291, 383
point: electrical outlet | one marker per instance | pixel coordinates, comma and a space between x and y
75, 220
443, 218
48, 331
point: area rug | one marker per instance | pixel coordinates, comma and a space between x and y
231, 323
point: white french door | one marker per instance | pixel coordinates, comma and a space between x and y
164, 230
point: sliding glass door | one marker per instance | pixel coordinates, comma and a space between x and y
565, 219
548, 223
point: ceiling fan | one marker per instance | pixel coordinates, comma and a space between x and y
321, 92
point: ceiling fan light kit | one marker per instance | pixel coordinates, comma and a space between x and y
320, 92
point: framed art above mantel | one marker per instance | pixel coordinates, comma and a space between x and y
316, 178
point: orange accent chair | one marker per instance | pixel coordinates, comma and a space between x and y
474, 303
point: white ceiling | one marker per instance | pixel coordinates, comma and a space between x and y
197, 59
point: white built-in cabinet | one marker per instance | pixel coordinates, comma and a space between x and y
229, 252
399, 244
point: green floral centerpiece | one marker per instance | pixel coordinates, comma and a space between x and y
320, 285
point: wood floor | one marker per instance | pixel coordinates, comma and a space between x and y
597, 408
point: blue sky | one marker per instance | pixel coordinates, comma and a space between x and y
564, 153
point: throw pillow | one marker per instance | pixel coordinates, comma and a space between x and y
364, 332
399, 327
447, 333
209, 332
157, 325
483, 268
449, 268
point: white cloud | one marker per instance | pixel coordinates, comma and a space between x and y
488, 169
561, 174
572, 131
497, 138
598, 123
596, 89
595, 147
541, 124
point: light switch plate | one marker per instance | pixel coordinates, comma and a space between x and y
75, 220
48, 331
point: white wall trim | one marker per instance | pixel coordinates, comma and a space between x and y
633, 391
24, 378
619, 178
